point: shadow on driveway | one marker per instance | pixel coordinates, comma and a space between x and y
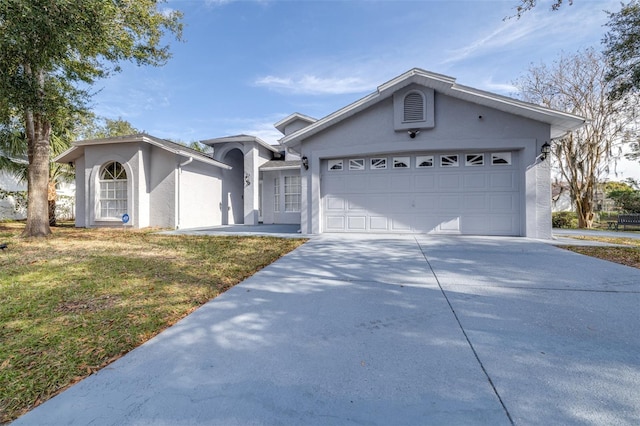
393, 330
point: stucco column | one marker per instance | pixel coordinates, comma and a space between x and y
251, 185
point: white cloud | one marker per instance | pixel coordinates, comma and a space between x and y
218, 2
168, 12
506, 34
261, 127
537, 29
215, 3
315, 84
506, 89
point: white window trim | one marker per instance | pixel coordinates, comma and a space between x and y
331, 165
506, 156
401, 160
356, 164
276, 195
378, 159
117, 185
450, 156
422, 158
470, 163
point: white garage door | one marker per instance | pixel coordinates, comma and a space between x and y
461, 193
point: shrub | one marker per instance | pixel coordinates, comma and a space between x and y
564, 220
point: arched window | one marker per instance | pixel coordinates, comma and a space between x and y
113, 191
413, 107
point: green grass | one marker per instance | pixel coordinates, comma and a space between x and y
76, 301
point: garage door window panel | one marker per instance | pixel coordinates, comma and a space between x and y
501, 158
356, 164
424, 161
335, 165
473, 160
378, 163
401, 162
449, 160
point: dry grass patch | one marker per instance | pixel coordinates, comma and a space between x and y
76, 301
629, 256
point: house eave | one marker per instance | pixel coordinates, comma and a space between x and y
276, 165
77, 149
560, 122
240, 139
296, 116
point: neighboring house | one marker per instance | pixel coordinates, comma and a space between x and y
10, 207
13, 205
561, 197
420, 154
13, 197
562, 202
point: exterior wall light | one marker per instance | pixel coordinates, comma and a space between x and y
305, 162
413, 133
545, 150
247, 179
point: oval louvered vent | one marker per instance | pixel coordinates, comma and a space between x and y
413, 107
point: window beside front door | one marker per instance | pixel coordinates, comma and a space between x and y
276, 195
292, 193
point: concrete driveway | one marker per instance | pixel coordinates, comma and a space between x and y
404, 330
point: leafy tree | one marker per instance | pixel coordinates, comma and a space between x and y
526, 5
576, 84
92, 127
622, 48
626, 195
613, 186
629, 201
200, 147
48, 49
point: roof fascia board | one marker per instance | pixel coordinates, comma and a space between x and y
67, 156
140, 138
282, 124
240, 139
276, 168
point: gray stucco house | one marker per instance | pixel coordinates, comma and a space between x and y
420, 154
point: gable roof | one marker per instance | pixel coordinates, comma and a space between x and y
561, 122
77, 149
296, 116
241, 139
281, 165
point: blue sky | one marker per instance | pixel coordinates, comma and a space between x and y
245, 64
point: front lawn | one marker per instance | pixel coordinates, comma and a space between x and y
629, 256
76, 301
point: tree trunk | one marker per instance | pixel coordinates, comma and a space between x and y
584, 208
38, 134
38, 130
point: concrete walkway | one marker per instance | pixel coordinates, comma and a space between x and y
595, 233
275, 230
398, 330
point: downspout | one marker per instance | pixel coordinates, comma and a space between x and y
180, 166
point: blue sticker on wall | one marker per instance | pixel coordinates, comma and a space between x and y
125, 218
